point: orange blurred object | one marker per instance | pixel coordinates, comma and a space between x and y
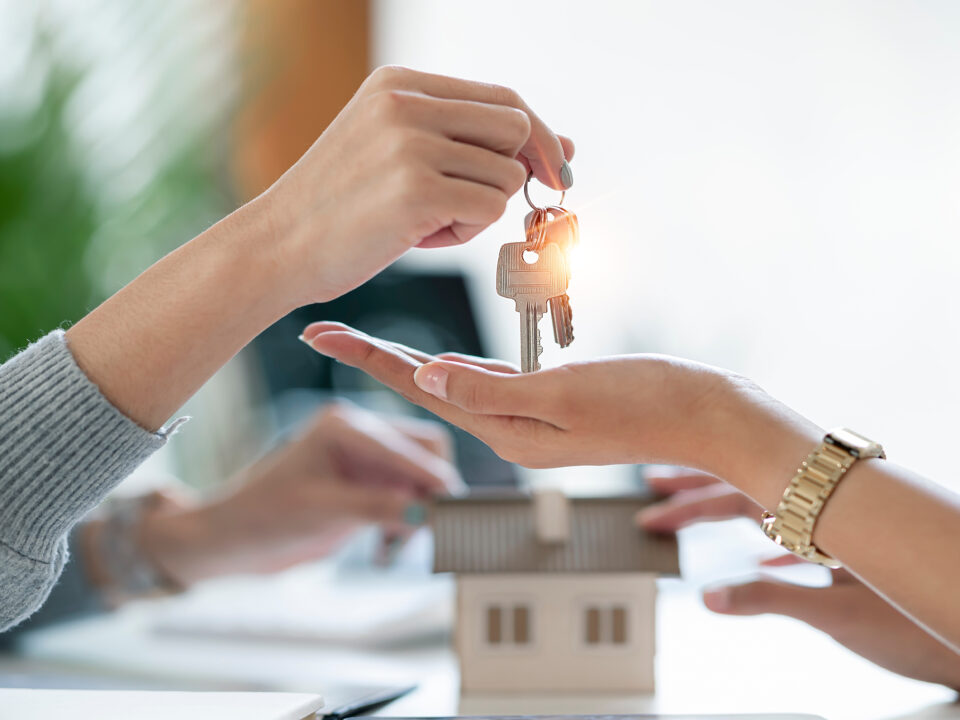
304, 59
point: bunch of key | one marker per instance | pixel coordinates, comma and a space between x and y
536, 273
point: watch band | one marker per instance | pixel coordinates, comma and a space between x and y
792, 525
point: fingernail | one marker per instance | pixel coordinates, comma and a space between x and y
415, 514
647, 516
432, 379
566, 175
309, 344
717, 599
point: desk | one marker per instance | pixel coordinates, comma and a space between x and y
705, 663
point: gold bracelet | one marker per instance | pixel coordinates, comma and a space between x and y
793, 524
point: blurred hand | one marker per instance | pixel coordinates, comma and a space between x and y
848, 611
348, 468
413, 159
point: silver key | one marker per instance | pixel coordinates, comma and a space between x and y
555, 225
561, 317
531, 285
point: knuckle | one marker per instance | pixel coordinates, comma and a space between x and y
391, 106
386, 76
517, 124
494, 205
516, 176
504, 95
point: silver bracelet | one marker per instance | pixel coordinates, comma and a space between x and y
132, 574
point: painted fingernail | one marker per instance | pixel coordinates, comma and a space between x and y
566, 175
717, 599
432, 379
415, 514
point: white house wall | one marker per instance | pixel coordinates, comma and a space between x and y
557, 655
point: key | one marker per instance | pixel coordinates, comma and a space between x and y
558, 226
531, 284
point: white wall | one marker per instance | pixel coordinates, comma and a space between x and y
771, 187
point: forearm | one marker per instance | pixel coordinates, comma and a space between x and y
899, 534
891, 528
153, 344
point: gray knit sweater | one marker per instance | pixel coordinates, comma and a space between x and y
63, 447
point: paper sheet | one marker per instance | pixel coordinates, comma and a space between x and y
124, 705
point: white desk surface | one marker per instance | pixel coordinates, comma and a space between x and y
705, 664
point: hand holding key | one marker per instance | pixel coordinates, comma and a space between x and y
413, 160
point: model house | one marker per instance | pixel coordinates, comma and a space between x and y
553, 593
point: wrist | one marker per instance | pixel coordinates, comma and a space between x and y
252, 244
179, 545
759, 442
296, 245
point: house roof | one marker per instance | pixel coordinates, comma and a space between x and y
497, 534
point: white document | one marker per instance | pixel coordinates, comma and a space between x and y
125, 705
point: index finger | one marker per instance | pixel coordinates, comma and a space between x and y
395, 368
544, 151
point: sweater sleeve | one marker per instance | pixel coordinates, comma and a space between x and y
63, 447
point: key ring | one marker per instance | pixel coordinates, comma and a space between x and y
526, 193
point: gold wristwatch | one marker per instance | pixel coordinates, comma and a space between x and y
792, 525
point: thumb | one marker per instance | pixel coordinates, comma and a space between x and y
480, 391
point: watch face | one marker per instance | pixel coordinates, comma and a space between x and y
856, 444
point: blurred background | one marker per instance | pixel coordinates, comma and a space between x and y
769, 187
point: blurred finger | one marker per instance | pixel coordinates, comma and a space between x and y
821, 607
783, 561
431, 435
383, 506
391, 456
763, 596
713, 502
667, 480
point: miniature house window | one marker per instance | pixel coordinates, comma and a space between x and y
508, 625
605, 625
